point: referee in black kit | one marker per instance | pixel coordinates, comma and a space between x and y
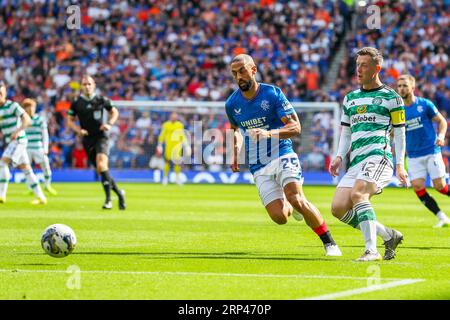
89, 108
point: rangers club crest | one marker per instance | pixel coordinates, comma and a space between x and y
420, 109
265, 105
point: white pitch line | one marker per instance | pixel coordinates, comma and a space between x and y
210, 274
365, 289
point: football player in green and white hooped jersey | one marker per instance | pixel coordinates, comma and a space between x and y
369, 114
37, 148
13, 121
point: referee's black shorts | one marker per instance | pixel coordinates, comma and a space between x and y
94, 146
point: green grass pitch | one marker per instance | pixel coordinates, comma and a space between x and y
213, 242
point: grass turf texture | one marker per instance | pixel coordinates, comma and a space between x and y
211, 242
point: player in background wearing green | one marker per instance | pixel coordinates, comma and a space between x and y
13, 121
37, 148
369, 114
423, 146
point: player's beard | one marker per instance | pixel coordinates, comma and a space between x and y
406, 96
245, 85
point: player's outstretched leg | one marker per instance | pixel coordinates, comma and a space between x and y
360, 195
341, 208
4, 179
313, 218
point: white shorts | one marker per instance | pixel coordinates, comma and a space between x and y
420, 167
36, 155
374, 169
271, 179
17, 152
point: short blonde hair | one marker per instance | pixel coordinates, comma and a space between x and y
410, 78
28, 102
376, 56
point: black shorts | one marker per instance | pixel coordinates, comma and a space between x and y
94, 146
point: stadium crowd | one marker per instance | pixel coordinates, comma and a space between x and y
180, 50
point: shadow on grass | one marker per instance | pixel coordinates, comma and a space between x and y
207, 255
400, 247
214, 255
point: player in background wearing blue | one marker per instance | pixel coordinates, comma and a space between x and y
268, 121
423, 146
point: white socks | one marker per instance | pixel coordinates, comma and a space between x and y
382, 232
367, 224
4, 178
33, 183
369, 231
47, 171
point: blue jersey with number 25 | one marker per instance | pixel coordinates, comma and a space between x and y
265, 110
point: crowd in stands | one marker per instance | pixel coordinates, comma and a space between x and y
413, 39
180, 50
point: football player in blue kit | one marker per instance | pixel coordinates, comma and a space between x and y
423, 146
268, 121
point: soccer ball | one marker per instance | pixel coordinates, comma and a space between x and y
58, 240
